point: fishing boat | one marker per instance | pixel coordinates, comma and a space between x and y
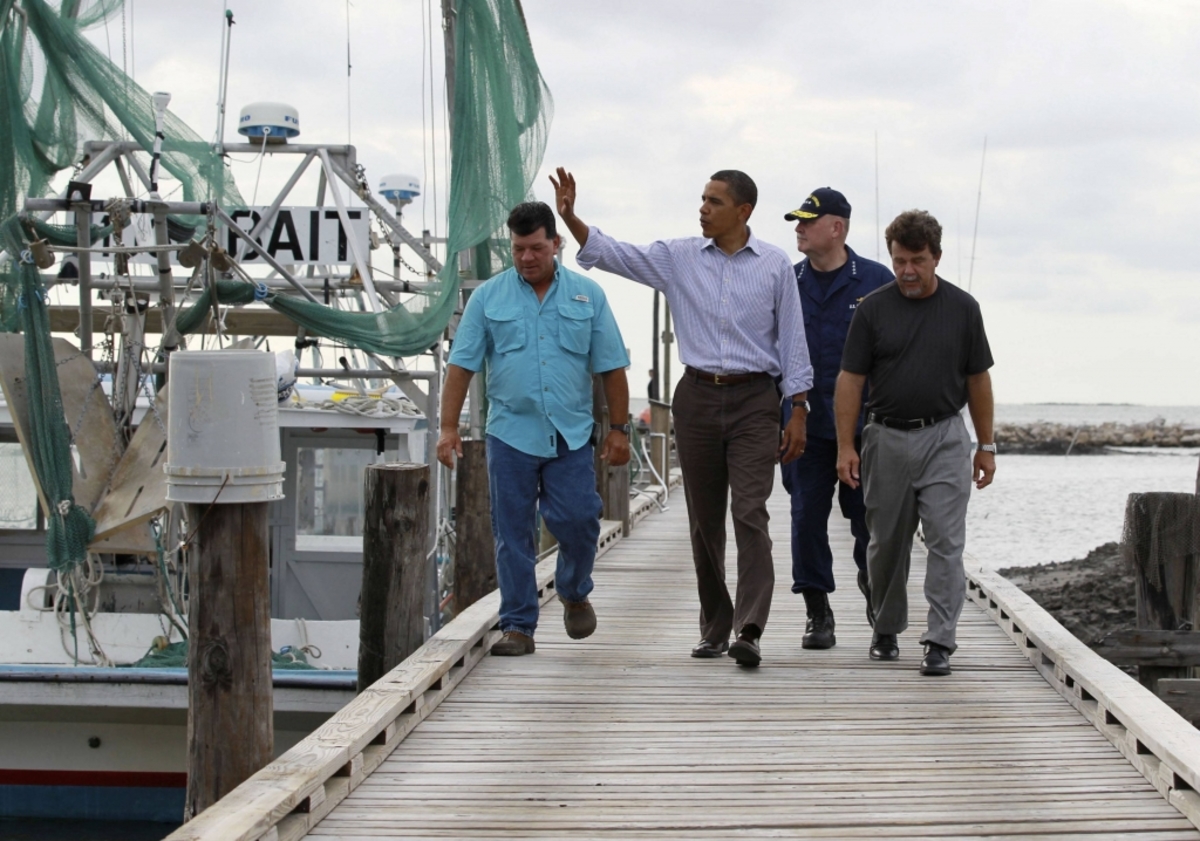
357, 310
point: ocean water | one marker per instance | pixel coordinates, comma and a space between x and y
1054, 508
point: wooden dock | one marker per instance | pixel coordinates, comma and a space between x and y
623, 735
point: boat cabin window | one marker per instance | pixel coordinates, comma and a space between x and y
329, 490
18, 493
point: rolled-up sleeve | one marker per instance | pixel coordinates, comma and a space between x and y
794, 361
651, 265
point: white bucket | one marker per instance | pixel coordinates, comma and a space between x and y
223, 428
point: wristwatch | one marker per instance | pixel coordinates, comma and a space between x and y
796, 404
620, 427
987, 448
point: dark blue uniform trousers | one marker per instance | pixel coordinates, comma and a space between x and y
810, 480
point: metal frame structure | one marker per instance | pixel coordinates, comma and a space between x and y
339, 171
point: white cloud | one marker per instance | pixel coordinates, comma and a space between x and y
1092, 185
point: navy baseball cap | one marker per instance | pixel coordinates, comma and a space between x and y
821, 202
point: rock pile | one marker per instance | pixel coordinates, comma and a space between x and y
1057, 438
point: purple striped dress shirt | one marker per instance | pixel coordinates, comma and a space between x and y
735, 313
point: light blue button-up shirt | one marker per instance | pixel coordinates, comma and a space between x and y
540, 356
736, 313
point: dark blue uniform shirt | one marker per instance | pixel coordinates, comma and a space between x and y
826, 321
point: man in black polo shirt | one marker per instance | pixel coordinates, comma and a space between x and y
920, 345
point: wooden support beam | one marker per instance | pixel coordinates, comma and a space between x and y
1160, 649
1181, 695
474, 545
395, 525
231, 731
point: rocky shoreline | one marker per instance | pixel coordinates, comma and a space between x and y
1091, 597
1043, 438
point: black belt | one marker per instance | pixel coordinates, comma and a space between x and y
907, 424
726, 379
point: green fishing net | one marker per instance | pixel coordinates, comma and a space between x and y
174, 656
56, 90
502, 111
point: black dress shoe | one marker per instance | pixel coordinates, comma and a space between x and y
937, 660
884, 647
706, 649
745, 651
864, 587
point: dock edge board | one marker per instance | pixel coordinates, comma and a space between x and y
293, 793
1159, 743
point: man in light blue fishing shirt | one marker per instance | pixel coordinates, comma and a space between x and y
542, 331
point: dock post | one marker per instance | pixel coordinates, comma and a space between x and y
231, 731
395, 525
1160, 541
660, 440
474, 545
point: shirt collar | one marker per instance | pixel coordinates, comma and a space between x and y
752, 244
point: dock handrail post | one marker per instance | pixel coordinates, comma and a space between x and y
392, 603
612, 483
231, 730
474, 544
660, 440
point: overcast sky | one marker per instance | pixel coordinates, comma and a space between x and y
1083, 262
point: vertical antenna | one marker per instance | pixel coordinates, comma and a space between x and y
958, 227
877, 235
226, 38
978, 201
348, 135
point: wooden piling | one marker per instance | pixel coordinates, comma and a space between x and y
231, 732
1160, 544
395, 525
474, 545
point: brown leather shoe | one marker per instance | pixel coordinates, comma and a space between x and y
578, 618
513, 644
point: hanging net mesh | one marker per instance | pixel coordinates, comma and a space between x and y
58, 90
502, 111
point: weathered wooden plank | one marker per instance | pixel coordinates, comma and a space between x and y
1139, 647
1181, 695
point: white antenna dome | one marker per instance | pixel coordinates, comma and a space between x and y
273, 120
400, 189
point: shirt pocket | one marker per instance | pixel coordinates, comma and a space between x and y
575, 327
507, 328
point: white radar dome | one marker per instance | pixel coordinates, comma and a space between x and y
273, 120
400, 188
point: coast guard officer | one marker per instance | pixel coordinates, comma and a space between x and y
832, 280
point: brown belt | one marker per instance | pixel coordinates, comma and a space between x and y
726, 379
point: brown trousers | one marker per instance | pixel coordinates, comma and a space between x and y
728, 442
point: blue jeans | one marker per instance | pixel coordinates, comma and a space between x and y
563, 489
811, 480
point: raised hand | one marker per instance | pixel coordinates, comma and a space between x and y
564, 194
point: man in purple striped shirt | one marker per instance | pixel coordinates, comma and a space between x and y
741, 339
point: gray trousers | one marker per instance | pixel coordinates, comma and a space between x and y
728, 442
922, 476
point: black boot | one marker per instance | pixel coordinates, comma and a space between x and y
818, 633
